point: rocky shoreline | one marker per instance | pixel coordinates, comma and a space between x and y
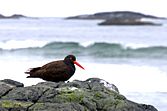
119, 18
14, 16
94, 94
117, 21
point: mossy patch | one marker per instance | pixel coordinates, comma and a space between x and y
99, 95
70, 95
115, 94
113, 104
14, 104
37, 106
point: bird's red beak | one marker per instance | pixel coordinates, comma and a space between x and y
75, 62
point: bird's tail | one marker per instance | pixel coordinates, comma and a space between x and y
30, 76
31, 72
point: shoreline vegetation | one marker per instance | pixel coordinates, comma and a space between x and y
94, 94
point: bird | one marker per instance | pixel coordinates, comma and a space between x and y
55, 71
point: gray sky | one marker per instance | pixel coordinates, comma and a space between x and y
63, 8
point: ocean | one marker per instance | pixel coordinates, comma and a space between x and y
131, 57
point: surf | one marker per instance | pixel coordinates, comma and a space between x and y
96, 49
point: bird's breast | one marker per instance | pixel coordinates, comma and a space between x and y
70, 70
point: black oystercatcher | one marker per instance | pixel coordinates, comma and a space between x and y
55, 71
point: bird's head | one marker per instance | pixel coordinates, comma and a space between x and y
72, 59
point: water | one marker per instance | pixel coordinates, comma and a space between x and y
131, 57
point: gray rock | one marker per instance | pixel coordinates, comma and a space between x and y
94, 94
7, 85
13, 83
31, 93
4, 89
120, 18
113, 15
120, 21
13, 105
103, 83
57, 107
15, 16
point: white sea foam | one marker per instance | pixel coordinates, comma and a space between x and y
135, 46
128, 78
86, 44
15, 44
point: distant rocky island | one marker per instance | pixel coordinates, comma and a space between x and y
14, 16
119, 18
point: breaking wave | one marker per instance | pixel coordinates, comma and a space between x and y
97, 49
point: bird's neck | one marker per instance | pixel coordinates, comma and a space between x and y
71, 68
70, 64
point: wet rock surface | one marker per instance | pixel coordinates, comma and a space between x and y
94, 94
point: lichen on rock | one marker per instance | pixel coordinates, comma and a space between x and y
94, 94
